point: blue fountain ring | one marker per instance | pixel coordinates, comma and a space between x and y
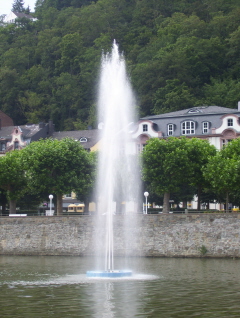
110, 273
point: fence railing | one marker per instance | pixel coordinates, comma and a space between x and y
24, 213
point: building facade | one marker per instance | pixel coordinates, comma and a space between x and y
216, 124
18, 137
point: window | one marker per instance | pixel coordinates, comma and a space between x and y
140, 147
145, 127
170, 129
230, 122
193, 111
16, 145
188, 128
68, 195
83, 139
225, 142
205, 127
2, 146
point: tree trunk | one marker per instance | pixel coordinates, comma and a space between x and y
12, 206
86, 208
227, 201
118, 207
59, 204
166, 205
4, 208
199, 199
184, 204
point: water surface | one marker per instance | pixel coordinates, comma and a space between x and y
163, 287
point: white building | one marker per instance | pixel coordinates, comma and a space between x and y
218, 125
12, 16
214, 123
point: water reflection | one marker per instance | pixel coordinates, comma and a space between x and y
58, 287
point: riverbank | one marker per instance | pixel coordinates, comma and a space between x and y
170, 235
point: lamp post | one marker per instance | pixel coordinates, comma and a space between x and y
146, 194
50, 198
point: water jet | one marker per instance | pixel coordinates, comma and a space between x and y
118, 181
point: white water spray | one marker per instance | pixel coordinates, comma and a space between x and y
118, 182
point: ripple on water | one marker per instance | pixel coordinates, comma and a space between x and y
161, 288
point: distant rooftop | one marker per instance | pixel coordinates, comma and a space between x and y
195, 111
23, 15
12, 16
27, 130
87, 138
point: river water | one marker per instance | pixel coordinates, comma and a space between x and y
160, 287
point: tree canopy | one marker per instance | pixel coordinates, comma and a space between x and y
18, 6
199, 154
169, 165
57, 167
179, 54
223, 172
166, 166
12, 178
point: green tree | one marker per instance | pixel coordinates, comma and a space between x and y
172, 97
223, 171
221, 92
232, 150
57, 167
223, 174
169, 165
18, 6
9, 93
199, 154
166, 166
179, 53
13, 178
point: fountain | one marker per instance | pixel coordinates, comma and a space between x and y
117, 183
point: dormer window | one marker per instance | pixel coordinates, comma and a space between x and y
205, 127
145, 127
170, 129
188, 128
194, 110
83, 139
230, 122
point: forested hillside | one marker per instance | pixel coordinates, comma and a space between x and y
180, 53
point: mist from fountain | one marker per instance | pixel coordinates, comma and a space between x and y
118, 179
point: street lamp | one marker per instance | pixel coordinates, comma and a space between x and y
146, 194
50, 198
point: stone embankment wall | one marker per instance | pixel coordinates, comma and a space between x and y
171, 235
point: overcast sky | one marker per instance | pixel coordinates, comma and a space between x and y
6, 5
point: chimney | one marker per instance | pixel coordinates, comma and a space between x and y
51, 127
239, 106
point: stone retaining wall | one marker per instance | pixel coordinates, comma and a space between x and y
171, 235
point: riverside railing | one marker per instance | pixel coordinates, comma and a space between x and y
28, 213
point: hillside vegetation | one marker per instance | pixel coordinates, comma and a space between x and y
179, 54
